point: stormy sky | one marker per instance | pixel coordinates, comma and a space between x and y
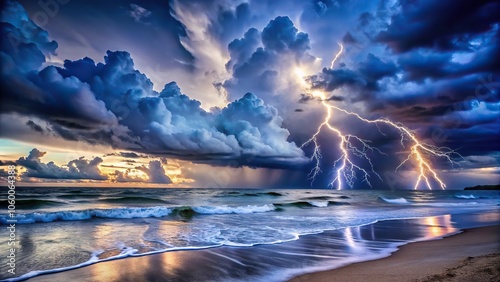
221, 93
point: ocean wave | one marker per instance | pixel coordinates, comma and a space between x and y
230, 209
276, 194
134, 212
132, 199
465, 197
448, 204
249, 194
399, 201
32, 203
87, 214
321, 198
310, 204
78, 196
319, 204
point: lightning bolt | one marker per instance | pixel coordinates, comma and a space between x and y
352, 146
337, 55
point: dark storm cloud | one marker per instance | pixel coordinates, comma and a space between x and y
441, 25
483, 161
338, 21
125, 177
428, 64
230, 22
2, 163
441, 109
92, 27
45, 93
247, 127
281, 35
75, 169
226, 20
113, 103
374, 69
34, 126
332, 79
335, 98
349, 39
25, 43
154, 171
437, 75
257, 59
366, 77
242, 49
115, 166
130, 155
444, 86
304, 98
419, 65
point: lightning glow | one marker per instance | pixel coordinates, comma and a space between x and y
352, 146
337, 55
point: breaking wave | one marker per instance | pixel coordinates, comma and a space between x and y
133, 212
399, 201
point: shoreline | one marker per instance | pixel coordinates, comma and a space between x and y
195, 264
473, 253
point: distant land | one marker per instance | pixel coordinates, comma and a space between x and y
484, 187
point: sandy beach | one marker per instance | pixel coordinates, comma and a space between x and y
473, 255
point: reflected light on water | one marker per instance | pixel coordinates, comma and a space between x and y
439, 226
164, 265
350, 233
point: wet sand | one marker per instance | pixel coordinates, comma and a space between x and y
473, 255
419, 261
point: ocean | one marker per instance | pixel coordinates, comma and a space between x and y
260, 235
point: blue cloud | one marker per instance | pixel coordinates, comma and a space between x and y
113, 103
450, 27
76, 169
258, 58
281, 35
23, 42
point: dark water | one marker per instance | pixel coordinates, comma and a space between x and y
62, 228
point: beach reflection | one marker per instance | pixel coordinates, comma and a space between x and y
169, 266
119, 270
439, 226
276, 262
353, 238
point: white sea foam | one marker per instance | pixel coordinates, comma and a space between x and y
447, 204
399, 201
465, 196
87, 214
126, 251
131, 212
320, 204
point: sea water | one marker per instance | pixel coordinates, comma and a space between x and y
65, 228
